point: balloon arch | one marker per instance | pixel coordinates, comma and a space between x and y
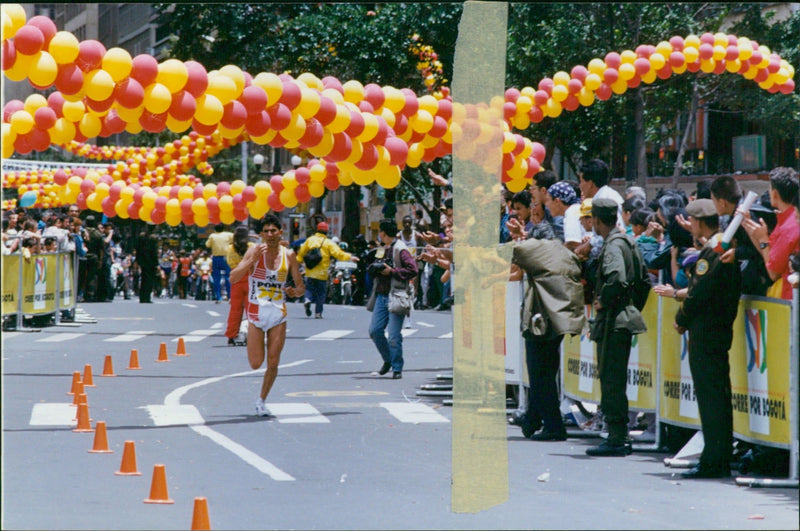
355, 133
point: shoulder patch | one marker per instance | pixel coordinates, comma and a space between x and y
702, 267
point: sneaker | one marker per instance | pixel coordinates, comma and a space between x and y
318, 316
261, 408
607, 449
231, 342
307, 304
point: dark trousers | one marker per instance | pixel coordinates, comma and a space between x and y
712, 385
542, 357
316, 291
613, 354
148, 282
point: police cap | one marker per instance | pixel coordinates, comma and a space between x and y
604, 207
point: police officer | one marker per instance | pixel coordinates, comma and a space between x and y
708, 313
616, 322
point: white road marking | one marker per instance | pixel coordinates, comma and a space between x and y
413, 412
212, 313
173, 399
9, 335
426, 325
174, 415
55, 338
189, 305
130, 336
261, 464
54, 414
196, 335
409, 331
329, 335
448, 335
350, 361
297, 413
216, 325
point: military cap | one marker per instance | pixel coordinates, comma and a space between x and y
701, 208
604, 207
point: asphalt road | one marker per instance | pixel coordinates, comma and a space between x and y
346, 449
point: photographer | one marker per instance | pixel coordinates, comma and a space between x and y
393, 264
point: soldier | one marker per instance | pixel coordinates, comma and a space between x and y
708, 313
616, 321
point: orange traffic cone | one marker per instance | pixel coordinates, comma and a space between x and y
88, 381
128, 466
100, 445
162, 353
78, 393
158, 487
76, 377
108, 367
133, 364
82, 399
83, 420
200, 517
181, 348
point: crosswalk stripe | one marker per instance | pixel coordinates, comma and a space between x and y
216, 325
212, 313
409, 331
296, 413
174, 414
413, 412
329, 335
426, 325
196, 335
448, 335
59, 337
130, 336
53, 414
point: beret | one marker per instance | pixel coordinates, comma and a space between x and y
701, 208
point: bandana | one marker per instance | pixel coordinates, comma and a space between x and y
563, 190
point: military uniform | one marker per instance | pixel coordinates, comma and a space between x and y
708, 314
615, 324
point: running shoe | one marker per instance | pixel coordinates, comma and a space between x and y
261, 408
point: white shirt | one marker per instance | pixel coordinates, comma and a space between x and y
606, 192
573, 230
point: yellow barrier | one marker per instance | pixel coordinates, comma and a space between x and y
48, 283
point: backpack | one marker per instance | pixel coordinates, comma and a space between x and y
313, 257
640, 285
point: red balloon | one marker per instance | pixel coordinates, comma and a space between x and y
29, 40
676, 59
115, 189
291, 94
144, 69
45, 118
445, 109
276, 183
133, 210
203, 129
212, 204
356, 126
536, 115
46, 26
183, 106
108, 207
366, 107
706, 50
90, 55
342, 146
383, 132
153, 123
274, 202
238, 202
695, 67
571, 103
610, 76
509, 110
100, 106
369, 158
87, 187
332, 83
161, 204
223, 188
398, 150
60, 177
412, 103
254, 99
540, 97
666, 72
574, 86
731, 52
69, 79
249, 193
234, 115
80, 200
641, 65
280, 115
635, 81
302, 194
213, 218
788, 87
197, 81
9, 54
439, 127
129, 93
257, 124
643, 50
546, 84
158, 216
56, 102
719, 68
39, 139
512, 95
400, 124
313, 135
240, 214
331, 182
613, 60
374, 95
677, 42
707, 38
327, 110
186, 206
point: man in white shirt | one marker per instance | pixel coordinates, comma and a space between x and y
593, 180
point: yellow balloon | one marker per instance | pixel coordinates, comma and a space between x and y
21, 122
311, 80
664, 48
185, 192
101, 190
394, 100
64, 47
657, 61
99, 85
370, 128
209, 109
16, 16
118, 63
597, 66
345, 179
230, 133
173, 74
295, 129
237, 186
235, 74
223, 88
173, 207
619, 86
719, 52
287, 198
271, 84
561, 78
227, 217
44, 70
324, 147
157, 98
173, 220
226, 203
90, 125
516, 185
585, 97
649, 77
422, 122
131, 115
733, 66
626, 71
560, 93
93, 202
353, 91
22, 66
262, 189
316, 188
309, 103
209, 190
593, 81
389, 178
177, 126
691, 54
628, 56
341, 121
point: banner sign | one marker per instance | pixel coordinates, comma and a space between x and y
44, 277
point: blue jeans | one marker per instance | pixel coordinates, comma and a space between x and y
316, 291
391, 350
218, 265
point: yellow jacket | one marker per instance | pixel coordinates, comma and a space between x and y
327, 248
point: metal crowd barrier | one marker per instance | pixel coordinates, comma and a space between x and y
45, 283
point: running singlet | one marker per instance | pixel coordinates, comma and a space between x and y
265, 302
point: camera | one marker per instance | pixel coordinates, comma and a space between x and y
376, 267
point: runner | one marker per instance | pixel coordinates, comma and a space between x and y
268, 265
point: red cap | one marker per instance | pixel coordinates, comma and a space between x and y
322, 226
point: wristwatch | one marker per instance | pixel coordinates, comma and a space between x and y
675, 294
763, 245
